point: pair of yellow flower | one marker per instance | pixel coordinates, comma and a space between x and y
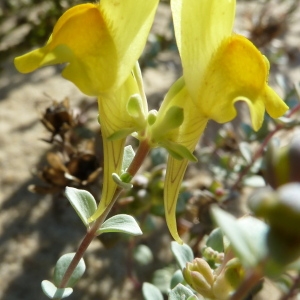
101, 43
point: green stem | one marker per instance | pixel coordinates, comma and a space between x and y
136, 163
261, 149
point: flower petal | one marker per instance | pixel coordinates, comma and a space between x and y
129, 23
194, 122
92, 40
113, 116
200, 27
187, 135
175, 172
81, 39
238, 71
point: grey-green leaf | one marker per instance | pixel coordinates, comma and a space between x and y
52, 292
246, 151
143, 255
83, 203
215, 240
180, 292
151, 292
194, 297
183, 254
120, 223
127, 157
247, 236
255, 181
61, 267
176, 278
162, 278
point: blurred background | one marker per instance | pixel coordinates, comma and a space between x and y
49, 129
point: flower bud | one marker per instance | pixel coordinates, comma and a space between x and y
281, 209
282, 165
199, 276
228, 280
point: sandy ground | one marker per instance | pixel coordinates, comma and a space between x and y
32, 235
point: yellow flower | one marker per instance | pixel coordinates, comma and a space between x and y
116, 124
219, 69
100, 44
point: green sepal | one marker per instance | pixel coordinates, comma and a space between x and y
134, 107
136, 72
173, 119
178, 151
121, 134
152, 115
126, 177
117, 179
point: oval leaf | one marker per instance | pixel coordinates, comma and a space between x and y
183, 254
127, 157
120, 223
246, 151
254, 181
247, 236
61, 267
180, 292
162, 277
151, 292
52, 292
176, 279
215, 240
83, 203
143, 255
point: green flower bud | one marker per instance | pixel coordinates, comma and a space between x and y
281, 209
152, 117
199, 276
262, 201
286, 215
228, 280
212, 255
282, 165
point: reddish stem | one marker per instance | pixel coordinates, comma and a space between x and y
136, 163
293, 290
247, 285
260, 150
